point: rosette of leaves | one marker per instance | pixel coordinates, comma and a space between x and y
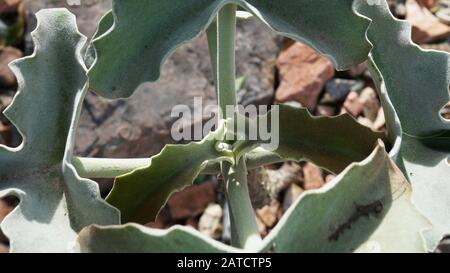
370, 206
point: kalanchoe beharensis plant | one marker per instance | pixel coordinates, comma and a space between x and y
396, 202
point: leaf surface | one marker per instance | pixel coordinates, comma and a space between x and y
55, 203
145, 32
413, 85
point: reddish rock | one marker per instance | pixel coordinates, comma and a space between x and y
7, 6
353, 104
162, 221
6, 206
4, 248
192, 201
312, 177
329, 178
325, 110
380, 121
357, 70
269, 214
428, 3
370, 102
210, 222
426, 28
7, 55
261, 227
303, 74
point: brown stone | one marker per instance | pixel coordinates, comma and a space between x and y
4, 248
353, 104
426, 28
303, 74
210, 222
261, 227
192, 201
365, 121
329, 178
7, 6
370, 101
6, 206
428, 3
312, 177
7, 55
325, 110
380, 121
269, 214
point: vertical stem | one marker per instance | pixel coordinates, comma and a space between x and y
211, 33
244, 229
245, 233
226, 72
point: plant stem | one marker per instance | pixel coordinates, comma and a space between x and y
245, 233
90, 167
107, 167
226, 71
244, 229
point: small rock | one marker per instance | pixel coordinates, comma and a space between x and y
329, 178
269, 214
211, 221
312, 177
429, 4
294, 104
371, 104
444, 246
303, 74
162, 221
445, 113
8, 6
266, 184
4, 248
338, 89
192, 222
357, 70
380, 121
4, 132
353, 104
7, 77
192, 201
261, 227
6, 206
365, 121
426, 28
291, 195
326, 110
400, 10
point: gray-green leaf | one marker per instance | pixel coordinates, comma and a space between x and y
55, 203
145, 32
413, 85
141, 194
367, 208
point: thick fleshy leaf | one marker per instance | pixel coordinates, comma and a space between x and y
425, 162
415, 78
141, 194
145, 32
330, 142
413, 85
132, 238
361, 210
106, 23
55, 203
367, 208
